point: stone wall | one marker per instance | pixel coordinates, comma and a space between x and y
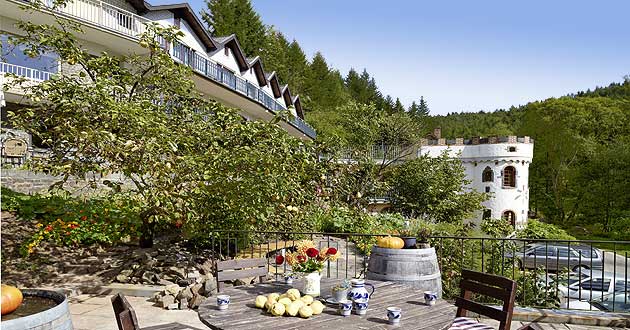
28, 182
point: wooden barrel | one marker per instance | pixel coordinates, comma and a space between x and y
415, 267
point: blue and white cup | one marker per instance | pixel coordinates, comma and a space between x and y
223, 301
394, 314
361, 306
288, 279
430, 297
345, 307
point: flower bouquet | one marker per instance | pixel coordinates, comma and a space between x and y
309, 261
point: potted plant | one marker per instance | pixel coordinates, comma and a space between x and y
408, 233
340, 291
423, 235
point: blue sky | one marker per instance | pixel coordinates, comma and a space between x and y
463, 55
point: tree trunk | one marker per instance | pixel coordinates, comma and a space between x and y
146, 233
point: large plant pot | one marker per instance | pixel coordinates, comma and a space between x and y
54, 318
410, 242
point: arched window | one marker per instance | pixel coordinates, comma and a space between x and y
509, 177
509, 216
487, 214
487, 175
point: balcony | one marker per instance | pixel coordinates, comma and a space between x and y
22, 71
131, 25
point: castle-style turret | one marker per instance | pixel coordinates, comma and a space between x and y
496, 165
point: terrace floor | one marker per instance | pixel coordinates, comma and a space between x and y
91, 312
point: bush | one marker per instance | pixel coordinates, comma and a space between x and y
66, 220
539, 230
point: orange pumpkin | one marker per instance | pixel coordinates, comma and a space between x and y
11, 298
389, 242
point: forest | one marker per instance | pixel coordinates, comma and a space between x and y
578, 179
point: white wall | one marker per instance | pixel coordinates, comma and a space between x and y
476, 158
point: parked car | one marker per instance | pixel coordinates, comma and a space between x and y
600, 288
557, 257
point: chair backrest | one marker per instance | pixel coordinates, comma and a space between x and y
240, 268
125, 315
494, 286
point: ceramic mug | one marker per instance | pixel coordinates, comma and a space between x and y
288, 279
360, 306
345, 307
223, 301
430, 297
394, 315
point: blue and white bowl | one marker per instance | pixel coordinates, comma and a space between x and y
430, 297
223, 301
394, 314
345, 307
360, 306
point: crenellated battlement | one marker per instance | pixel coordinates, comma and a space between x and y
476, 140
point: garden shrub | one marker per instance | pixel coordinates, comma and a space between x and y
536, 229
66, 220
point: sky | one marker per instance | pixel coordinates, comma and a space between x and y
463, 55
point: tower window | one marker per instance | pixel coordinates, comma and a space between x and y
512, 149
487, 214
487, 175
487, 189
509, 177
509, 216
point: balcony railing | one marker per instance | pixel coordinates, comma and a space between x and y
558, 273
210, 69
29, 73
132, 25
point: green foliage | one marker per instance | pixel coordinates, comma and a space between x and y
67, 220
539, 230
323, 85
226, 17
496, 227
434, 188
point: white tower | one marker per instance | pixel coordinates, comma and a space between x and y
497, 165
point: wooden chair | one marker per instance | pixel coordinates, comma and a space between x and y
240, 268
125, 315
494, 286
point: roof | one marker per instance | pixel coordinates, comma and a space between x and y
182, 11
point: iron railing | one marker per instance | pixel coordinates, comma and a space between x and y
22, 71
133, 25
558, 274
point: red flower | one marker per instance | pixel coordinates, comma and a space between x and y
331, 251
300, 258
312, 252
72, 226
48, 228
279, 260
83, 218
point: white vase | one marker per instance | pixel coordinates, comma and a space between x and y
311, 284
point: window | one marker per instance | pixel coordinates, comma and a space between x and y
512, 149
226, 51
596, 284
487, 189
544, 251
487, 175
509, 216
587, 252
487, 214
509, 177
622, 286
565, 253
15, 55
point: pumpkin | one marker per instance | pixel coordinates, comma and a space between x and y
389, 242
11, 298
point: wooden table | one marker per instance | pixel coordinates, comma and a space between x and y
242, 313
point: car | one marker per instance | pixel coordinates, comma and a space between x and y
597, 288
558, 257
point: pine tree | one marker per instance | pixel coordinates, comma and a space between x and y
323, 86
296, 65
413, 109
398, 106
275, 54
388, 104
225, 17
423, 108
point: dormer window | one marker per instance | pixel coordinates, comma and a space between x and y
226, 51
